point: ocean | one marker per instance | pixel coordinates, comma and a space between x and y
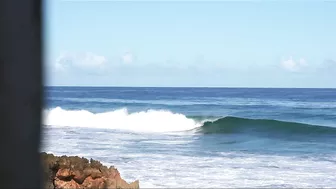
198, 137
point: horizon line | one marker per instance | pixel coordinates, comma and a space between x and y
241, 87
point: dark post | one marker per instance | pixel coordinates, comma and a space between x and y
20, 93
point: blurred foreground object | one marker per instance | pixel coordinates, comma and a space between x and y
21, 92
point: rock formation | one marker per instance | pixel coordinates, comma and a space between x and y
67, 172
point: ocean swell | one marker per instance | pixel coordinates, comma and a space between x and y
163, 121
271, 127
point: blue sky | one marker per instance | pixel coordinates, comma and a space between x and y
214, 44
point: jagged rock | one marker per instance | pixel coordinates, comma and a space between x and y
67, 172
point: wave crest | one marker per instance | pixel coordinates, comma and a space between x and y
268, 127
164, 121
121, 119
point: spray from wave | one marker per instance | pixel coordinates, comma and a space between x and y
163, 121
145, 121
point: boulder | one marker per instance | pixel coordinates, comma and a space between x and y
65, 172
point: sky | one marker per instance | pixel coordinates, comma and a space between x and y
190, 44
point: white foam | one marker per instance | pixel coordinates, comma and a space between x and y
224, 172
144, 121
174, 166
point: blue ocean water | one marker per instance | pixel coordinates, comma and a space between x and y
199, 137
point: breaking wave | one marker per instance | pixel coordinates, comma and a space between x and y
166, 121
144, 121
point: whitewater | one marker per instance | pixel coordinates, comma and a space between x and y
121, 119
199, 137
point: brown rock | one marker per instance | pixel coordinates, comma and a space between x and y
93, 172
110, 183
64, 174
75, 172
79, 176
133, 185
123, 184
61, 184
89, 182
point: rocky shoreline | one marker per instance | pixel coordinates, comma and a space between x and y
65, 172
